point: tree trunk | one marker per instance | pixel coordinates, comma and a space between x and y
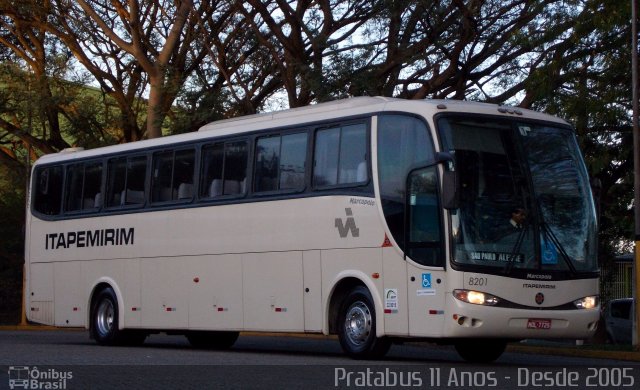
155, 115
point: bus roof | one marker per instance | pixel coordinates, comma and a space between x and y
309, 114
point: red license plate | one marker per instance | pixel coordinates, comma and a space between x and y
537, 323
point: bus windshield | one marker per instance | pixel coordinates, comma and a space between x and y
525, 202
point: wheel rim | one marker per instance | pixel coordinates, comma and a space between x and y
104, 317
358, 323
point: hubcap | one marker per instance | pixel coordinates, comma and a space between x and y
358, 323
104, 317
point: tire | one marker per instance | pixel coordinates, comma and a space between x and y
212, 340
480, 350
357, 327
104, 319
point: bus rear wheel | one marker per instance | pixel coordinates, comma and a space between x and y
212, 340
480, 350
357, 327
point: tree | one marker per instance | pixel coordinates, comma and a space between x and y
301, 35
155, 43
28, 44
587, 81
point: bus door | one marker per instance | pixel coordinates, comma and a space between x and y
424, 253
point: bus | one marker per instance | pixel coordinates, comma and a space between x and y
374, 219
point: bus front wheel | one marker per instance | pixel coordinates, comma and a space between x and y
480, 350
357, 326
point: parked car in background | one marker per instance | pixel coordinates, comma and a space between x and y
618, 319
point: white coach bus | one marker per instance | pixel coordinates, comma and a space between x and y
375, 219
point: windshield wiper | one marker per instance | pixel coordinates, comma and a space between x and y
515, 251
554, 240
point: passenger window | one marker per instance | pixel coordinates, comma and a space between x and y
281, 162
224, 169
126, 181
48, 190
173, 175
267, 161
83, 188
340, 156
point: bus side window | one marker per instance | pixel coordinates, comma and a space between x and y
172, 177
116, 179
83, 186
224, 169
136, 176
280, 162
340, 156
48, 190
126, 181
161, 189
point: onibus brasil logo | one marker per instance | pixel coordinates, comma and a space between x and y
25, 377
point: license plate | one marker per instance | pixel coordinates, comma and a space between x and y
537, 323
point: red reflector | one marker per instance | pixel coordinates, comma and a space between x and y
134, 309
221, 309
75, 309
386, 243
375, 275
387, 311
171, 309
433, 312
278, 309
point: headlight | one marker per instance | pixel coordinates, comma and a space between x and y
586, 302
476, 297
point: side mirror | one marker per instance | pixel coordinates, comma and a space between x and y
450, 193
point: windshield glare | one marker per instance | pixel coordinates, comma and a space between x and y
517, 212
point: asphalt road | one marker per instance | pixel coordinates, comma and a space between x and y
69, 360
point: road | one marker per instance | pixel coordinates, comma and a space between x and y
69, 360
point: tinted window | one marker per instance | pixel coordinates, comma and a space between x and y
293, 161
402, 143
173, 175
83, 190
340, 156
353, 154
267, 162
224, 169
621, 309
424, 239
126, 181
280, 162
327, 151
48, 190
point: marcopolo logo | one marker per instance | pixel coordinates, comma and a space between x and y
349, 226
24, 377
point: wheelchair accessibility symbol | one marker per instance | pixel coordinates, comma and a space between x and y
426, 280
